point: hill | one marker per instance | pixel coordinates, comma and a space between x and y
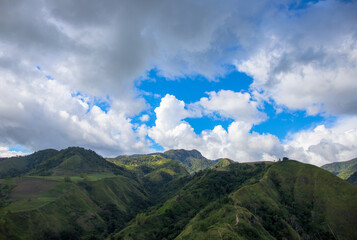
352, 179
69, 194
342, 169
77, 194
15, 166
284, 200
192, 160
70, 161
223, 162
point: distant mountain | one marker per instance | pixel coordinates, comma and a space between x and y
155, 171
14, 166
352, 179
342, 169
191, 160
70, 161
222, 162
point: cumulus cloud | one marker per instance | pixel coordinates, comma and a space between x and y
234, 105
301, 57
323, 145
44, 113
308, 60
238, 143
6, 152
320, 145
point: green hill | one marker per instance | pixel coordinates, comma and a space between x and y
290, 201
192, 160
15, 166
342, 169
167, 220
223, 162
69, 194
160, 176
352, 179
76, 194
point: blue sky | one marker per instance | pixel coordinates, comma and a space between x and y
191, 89
251, 81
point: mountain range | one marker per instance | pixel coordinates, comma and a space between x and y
178, 194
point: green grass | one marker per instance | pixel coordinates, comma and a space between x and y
28, 204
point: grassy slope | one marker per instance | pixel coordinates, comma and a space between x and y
15, 166
167, 220
342, 169
352, 179
81, 194
292, 201
80, 209
191, 160
161, 177
299, 199
222, 163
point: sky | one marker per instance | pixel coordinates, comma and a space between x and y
248, 80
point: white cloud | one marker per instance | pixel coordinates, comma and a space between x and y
308, 60
323, 145
144, 118
171, 131
6, 152
301, 58
234, 105
44, 113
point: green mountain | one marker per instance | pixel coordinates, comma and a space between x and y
68, 194
223, 162
352, 179
76, 194
191, 160
342, 169
15, 166
284, 200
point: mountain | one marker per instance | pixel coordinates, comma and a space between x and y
69, 194
76, 194
168, 219
15, 166
284, 200
223, 162
342, 169
352, 179
191, 160
70, 161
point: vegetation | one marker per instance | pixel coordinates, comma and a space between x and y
342, 169
76, 194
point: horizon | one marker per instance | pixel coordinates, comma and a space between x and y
163, 152
250, 81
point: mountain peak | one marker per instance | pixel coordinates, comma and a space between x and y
182, 153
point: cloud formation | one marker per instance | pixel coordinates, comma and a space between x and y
238, 143
57, 57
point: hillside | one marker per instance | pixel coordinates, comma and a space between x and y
69, 194
191, 160
291, 201
342, 169
77, 194
167, 220
70, 161
223, 162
